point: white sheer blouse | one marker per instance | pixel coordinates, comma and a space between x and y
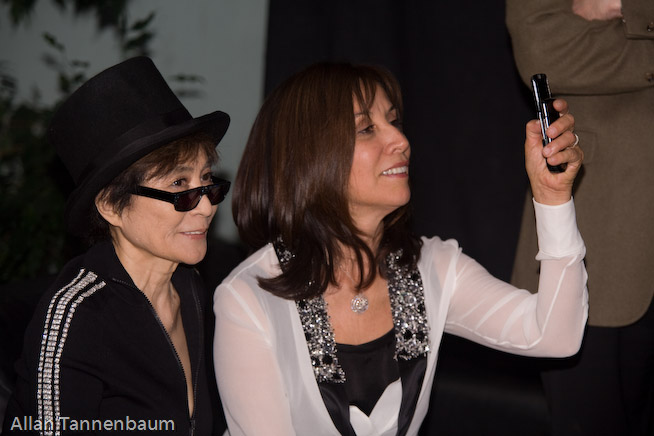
265, 374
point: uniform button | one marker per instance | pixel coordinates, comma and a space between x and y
649, 77
650, 26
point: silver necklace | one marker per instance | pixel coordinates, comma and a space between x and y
359, 302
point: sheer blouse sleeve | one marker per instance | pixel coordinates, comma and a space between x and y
247, 369
549, 323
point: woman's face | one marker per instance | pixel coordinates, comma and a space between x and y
379, 178
152, 230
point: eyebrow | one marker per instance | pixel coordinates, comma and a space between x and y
190, 168
361, 114
183, 170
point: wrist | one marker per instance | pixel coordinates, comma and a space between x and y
551, 198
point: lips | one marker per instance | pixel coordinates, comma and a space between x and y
401, 168
195, 232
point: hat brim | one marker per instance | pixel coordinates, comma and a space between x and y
81, 201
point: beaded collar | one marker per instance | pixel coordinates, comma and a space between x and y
409, 319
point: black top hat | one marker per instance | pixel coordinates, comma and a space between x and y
113, 120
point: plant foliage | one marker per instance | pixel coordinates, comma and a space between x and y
34, 184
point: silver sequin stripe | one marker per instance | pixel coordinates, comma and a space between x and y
317, 328
55, 330
320, 340
406, 293
45, 374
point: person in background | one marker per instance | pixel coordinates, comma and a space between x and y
332, 326
599, 56
116, 344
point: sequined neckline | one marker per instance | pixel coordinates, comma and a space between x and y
409, 319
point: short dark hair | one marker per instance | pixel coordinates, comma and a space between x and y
292, 180
162, 161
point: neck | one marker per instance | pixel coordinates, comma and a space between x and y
350, 269
150, 274
371, 234
370, 226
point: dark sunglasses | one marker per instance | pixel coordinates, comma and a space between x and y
188, 200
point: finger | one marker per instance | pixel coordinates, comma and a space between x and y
561, 106
562, 142
534, 137
534, 146
564, 123
571, 154
572, 157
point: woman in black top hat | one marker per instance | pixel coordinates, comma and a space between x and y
117, 342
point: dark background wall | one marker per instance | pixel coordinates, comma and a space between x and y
465, 105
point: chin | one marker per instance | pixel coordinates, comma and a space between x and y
403, 202
191, 257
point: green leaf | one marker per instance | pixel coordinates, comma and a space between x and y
143, 23
53, 42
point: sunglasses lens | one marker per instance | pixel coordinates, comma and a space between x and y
216, 193
188, 200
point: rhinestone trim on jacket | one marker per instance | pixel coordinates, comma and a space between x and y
55, 331
406, 294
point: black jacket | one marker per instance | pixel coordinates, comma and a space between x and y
97, 355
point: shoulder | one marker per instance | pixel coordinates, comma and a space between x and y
74, 285
243, 279
436, 246
438, 257
67, 313
263, 263
240, 292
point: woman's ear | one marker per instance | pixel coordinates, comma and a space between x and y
107, 210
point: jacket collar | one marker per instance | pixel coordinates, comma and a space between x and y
103, 260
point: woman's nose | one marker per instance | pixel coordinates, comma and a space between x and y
397, 142
204, 207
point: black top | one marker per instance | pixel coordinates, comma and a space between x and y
95, 350
369, 368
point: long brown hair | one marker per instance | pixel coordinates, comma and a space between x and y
291, 184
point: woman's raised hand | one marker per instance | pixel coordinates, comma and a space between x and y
547, 187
